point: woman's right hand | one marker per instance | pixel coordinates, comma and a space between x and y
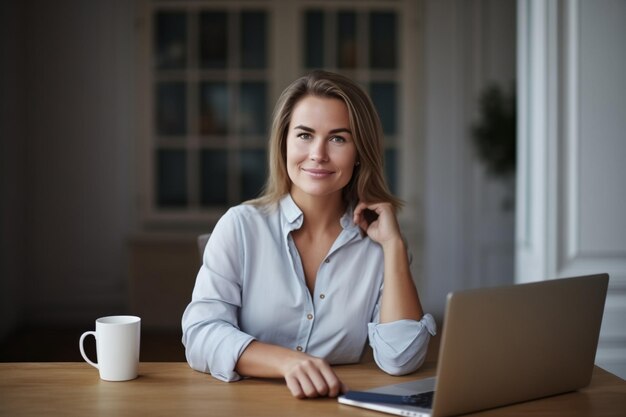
306, 376
309, 377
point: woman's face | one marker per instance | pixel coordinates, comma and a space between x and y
321, 153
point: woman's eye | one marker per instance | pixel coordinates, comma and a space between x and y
304, 136
338, 139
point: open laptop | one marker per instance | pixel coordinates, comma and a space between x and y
506, 345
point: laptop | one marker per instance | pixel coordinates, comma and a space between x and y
502, 346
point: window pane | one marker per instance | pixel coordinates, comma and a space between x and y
213, 177
252, 108
383, 40
213, 39
253, 173
314, 47
214, 105
346, 40
170, 38
171, 108
171, 178
384, 97
391, 169
253, 39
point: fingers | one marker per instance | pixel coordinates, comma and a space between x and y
384, 228
361, 210
366, 214
332, 382
313, 377
358, 212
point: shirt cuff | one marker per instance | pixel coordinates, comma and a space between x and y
226, 358
400, 346
216, 350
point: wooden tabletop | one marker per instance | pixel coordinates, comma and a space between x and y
173, 389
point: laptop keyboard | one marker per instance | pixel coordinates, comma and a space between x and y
424, 399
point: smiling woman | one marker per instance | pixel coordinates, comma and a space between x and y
292, 283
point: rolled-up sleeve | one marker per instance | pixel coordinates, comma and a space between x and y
211, 335
400, 347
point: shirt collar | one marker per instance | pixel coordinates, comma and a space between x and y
291, 213
293, 217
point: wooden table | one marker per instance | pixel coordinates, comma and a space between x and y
173, 389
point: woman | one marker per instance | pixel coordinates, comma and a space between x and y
293, 282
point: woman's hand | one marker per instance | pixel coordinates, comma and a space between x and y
383, 229
310, 377
306, 376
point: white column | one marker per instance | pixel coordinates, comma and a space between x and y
571, 196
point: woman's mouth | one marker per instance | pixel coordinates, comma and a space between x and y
317, 173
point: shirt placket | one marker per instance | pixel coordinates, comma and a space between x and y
308, 311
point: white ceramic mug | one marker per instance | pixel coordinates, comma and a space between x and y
117, 347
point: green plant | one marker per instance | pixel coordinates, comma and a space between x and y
494, 135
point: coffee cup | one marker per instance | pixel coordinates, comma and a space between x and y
117, 347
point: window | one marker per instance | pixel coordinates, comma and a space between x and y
211, 72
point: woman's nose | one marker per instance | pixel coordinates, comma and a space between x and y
318, 151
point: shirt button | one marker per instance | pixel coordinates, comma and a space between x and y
309, 316
322, 296
299, 348
327, 260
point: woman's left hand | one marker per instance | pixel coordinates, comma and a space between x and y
385, 228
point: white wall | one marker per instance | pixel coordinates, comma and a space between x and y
572, 143
468, 237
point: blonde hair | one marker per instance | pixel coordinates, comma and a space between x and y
368, 181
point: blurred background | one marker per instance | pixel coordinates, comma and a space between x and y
128, 128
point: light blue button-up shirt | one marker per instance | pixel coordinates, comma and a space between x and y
251, 286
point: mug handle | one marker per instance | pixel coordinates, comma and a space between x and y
82, 351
